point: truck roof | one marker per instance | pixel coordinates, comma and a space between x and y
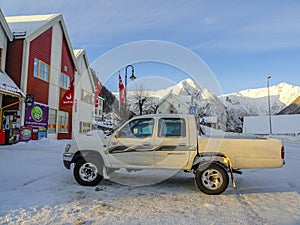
164, 116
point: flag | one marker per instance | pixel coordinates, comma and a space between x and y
97, 92
68, 97
121, 91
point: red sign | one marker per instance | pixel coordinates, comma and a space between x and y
97, 92
121, 91
68, 97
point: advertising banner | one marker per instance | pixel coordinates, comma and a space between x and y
36, 116
25, 133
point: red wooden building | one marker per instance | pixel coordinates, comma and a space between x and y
40, 60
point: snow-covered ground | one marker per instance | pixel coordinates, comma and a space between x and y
35, 188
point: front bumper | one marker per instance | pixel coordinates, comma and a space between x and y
67, 159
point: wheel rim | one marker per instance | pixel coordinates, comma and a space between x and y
88, 172
212, 179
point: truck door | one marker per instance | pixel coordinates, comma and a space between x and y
132, 146
172, 145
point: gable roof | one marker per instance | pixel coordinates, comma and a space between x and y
5, 26
30, 26
172, 95
81, 52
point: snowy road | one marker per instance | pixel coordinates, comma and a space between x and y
35, 188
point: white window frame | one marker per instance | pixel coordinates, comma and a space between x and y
64, 81
63, 122
41, 70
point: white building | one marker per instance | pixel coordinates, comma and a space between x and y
280, 124
84, 105
171, 104
98, 115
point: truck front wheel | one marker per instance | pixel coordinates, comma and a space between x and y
87, 172
211, 178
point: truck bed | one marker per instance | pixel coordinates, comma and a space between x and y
244, 152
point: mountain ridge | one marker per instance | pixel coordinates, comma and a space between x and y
231, 108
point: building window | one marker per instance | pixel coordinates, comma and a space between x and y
63, 122
41, 70
86, 96
52, 121
65, 81
84, 127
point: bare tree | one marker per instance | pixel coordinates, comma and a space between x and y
139, 96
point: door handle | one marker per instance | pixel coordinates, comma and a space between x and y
181, 144
146, 144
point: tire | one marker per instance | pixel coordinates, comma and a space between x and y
212, 178
87, 172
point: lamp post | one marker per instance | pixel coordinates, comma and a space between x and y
132, 77
270, 119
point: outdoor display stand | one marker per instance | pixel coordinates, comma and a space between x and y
2, 137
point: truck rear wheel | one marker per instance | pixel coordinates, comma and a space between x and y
211, 178
87, 172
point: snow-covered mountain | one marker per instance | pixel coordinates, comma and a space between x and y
254, 102
231, 108
207, 103
293, 108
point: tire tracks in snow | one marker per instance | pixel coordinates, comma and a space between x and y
249, 210
30, 182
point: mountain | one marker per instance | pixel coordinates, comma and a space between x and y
254, 102
207, 103
293, 108
231, 108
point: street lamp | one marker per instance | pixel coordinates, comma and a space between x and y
270, 120
132, 77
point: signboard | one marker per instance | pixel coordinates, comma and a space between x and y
25, 133
36, 115
42, 133
193, 109
68, 97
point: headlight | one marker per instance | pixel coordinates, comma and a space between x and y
67, 148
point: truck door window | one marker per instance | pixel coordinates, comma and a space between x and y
171, 127
140, 128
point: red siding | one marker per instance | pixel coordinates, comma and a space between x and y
14, 60
40, 48
67, 67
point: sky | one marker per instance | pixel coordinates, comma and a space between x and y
242, 42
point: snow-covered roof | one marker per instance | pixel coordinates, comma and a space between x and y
8, 86
172, 95
30, 26
81, 52
78, 52
5, 27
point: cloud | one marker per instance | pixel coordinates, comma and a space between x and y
217, 25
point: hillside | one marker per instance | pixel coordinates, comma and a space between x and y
293, 108
231, 108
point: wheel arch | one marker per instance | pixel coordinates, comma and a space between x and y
211, 157
87, 153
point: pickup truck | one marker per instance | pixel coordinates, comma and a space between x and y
170, 141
